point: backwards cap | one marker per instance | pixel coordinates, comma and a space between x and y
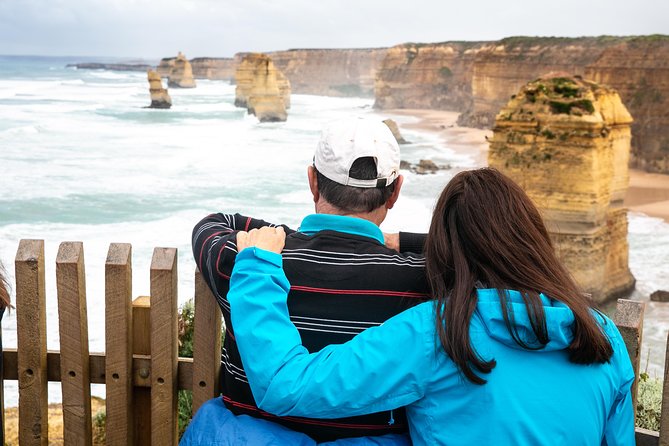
344, 141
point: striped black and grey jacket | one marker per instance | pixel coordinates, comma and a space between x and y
341, 283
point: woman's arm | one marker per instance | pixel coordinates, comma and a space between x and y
381, 369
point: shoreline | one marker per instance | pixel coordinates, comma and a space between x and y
648, 193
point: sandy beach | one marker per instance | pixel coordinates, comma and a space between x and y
648, 193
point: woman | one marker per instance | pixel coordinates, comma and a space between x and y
508, 352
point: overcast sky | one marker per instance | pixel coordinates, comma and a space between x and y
158, 28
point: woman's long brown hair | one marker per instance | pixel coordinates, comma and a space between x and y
485, 229
4, 289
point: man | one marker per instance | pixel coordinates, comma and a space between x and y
343, 277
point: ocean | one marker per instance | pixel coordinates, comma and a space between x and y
82, 159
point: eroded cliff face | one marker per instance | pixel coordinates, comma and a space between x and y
340, 72
639, 70
566, 141
434, 76
215, 68
261, 88
485, 75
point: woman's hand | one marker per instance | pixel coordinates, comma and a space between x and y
267, 238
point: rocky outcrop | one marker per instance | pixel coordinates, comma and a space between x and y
478, 79
159, 96
181, 73
330, 72
262, 89
566, 141
395, 130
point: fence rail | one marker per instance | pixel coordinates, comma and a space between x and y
140, 367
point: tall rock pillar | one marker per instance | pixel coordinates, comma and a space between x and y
261, 88
181, 73
566, 141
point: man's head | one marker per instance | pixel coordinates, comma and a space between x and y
356, 169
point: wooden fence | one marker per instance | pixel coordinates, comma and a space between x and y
140, 368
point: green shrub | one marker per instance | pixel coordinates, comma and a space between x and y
186, 330
445, 72
649, 402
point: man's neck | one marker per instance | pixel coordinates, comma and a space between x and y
376, 216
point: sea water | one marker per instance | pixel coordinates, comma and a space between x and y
82, 159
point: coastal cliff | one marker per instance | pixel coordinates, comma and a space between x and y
330, 72
566, 141
478, 79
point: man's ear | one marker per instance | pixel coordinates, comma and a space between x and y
396, 193
313, 183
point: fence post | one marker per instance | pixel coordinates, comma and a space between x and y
31, 340
141, 345
664, 421
629, 320
164, 347
118, 343
73, 328
207, 344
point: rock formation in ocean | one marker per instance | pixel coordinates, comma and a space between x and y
477, 78
566, 141
262, 89
159, 96
394, 128
181, 73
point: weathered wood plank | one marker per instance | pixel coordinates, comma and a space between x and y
164, 346
118, 345
629, 320
207, 344
73, 328
664, 420
31, 341
141, 370
141, 345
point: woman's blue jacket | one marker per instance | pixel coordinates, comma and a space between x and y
532, 397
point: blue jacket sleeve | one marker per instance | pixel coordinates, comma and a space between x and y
382, 368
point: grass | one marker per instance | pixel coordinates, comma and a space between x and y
649, 402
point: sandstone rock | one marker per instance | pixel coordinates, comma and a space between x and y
214, 68
159, 96
660, 296
181, 73
566, 141
261, 88
330, 72
478, 78
423, 167
392, 125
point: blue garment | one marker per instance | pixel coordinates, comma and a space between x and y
215, 425
531, 398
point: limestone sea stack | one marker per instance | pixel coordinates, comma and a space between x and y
566, 141
262, 89
159, 96
181, 73
394, 128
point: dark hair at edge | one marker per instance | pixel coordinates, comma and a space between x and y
486, 229
355, 199
4, 289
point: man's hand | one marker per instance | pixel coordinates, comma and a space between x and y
392, 241
267, 238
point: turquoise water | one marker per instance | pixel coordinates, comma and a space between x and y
82, 159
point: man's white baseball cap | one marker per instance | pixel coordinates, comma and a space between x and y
344, 141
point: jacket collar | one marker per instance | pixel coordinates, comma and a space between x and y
351, 225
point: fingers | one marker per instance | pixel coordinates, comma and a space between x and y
267, 238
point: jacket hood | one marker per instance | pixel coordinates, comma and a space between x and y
559, 320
